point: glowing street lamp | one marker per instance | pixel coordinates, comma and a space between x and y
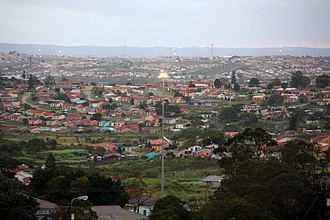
163, 76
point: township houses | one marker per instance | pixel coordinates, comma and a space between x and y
323, 142
156, 144
109, 146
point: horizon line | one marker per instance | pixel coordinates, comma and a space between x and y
176, 47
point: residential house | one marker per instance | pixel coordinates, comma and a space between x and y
45, 208
142, 204
35, 121
259, 98
110, 212
58, 117
204, 153
82, 109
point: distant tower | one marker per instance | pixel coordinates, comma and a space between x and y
211, 51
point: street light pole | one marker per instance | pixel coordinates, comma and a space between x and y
163, 76
77, 198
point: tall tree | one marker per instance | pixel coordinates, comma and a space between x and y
217, 83
275, 100
50, 161
254, 82
322, 81
170, 207
268, 188
301, 155
298, 80
17, 202
233, 78
228, 115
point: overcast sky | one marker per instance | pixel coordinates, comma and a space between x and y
174, 23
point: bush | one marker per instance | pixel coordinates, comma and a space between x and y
152, 173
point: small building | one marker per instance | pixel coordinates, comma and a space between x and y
110, 212
46, 208
213, 180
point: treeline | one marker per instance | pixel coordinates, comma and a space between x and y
262, 182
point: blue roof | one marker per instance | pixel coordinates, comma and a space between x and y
151, 155
80, 101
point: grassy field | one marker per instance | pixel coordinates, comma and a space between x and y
182, 176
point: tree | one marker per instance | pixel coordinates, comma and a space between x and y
268, 188
227, 205
248, 118
97, 117
132, 101
17, 202
254, 82
298, 80
137, 189
275, 82
49, 80
322, 81
60, 185
170, 207
275, 100
249, 144
233, 78
327, 125
300, 155
64, 97
178, 94
228, 115
210, 136
217, 83
143, 105
293, 124
107, 191
237, 87
35, 145
50, 162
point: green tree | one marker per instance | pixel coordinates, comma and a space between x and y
97, 117
17, 202
298, 80
275, 100
322, 81
228, 115
210, 136
237, 87
248, 118
275, 82
233, 78
170, 207
227, 205
107, 191
249, 144
50, 162
138, 191
327, 125
217, 83
273, 190
49, 80
254, 82
301, 155
35, 145
293, 124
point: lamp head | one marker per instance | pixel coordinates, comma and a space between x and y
82, 198
163, 75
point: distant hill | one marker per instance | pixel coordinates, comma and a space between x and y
158, 51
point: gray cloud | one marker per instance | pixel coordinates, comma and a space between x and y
225, 23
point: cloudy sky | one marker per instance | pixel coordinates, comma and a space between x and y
224, 23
